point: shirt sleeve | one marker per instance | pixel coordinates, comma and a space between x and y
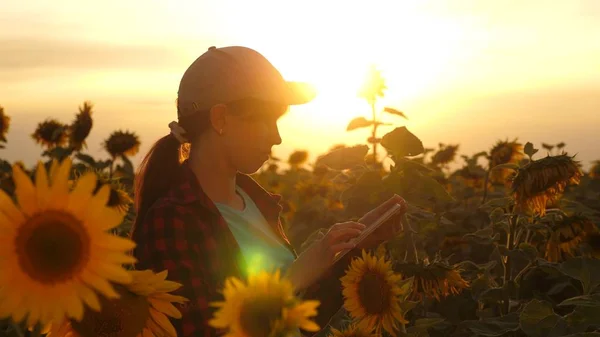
162, 244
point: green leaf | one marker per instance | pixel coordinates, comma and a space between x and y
401, 143
407, 164
584, 269
585, 334
529, 251
358, 122
506, 166
344, 158
497, 202
496, 326
483, 236
538, 318
491, 295
529, 149
423, 324
583, 317
395, 112
583, 301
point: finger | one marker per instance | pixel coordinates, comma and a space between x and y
347, 224
343, 235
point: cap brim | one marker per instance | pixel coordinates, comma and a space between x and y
300, 93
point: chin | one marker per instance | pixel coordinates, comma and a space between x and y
251, 167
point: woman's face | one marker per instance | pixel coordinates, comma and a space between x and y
251, 132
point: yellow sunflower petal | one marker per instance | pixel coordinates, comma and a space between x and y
115, 243
59, 186
8, 207
147, 333
89, 296
113, 272
163, 322
100, 284
170, 298
25, 191
42, 187
165, 307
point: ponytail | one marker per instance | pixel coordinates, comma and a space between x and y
156, 174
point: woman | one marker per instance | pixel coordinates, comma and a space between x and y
202, 218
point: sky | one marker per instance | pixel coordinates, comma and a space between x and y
464, 72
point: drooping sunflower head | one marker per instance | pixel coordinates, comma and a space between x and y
444, 155
50, 133
122, 143
81, 127
353, 330
372, 294
4, 124
58, 247
544, 180
297, 158
566, 235
434, 281
264, 306
506, 152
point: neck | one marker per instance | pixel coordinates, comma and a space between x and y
216, 177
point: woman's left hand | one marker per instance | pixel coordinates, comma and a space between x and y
389, 229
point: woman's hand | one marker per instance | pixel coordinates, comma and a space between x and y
389, 229
319, 256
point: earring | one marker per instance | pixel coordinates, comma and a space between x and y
220, 131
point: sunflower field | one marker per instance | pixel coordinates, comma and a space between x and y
508, 244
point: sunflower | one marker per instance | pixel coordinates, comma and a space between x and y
566, 236
593, 241
122, 143
118, 198
57, 247
436, 280
502, 153
4, 124
542, 181
140, 311
265, 307
50, 133
297, 158
81, 127
444, 155
372, 293
354, 330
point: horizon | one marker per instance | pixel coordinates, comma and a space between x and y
464, 72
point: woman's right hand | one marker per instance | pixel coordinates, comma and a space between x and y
319, 256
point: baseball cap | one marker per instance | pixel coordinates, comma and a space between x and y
227, 74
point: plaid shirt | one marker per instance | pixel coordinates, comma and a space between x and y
184, 233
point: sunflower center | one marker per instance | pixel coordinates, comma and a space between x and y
52, 246
123, 317
374, 293
258, 315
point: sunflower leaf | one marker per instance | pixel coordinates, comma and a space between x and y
584, 301
538, 318
529, 150
496, 326
584, 269
395, 112
359, 122
402, 143
344, 158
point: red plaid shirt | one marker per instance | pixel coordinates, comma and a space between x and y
184, 233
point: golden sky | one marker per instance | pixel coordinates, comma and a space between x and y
467, 72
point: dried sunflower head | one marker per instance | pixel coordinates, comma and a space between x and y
119, 198
81, 127
567, 234
506, 152
50, 133
543, 180
353, 330
436, 280
4, 124
297, 158
444, 155
122, 143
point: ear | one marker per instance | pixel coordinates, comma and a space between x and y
218, 117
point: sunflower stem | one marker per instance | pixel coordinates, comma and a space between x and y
485, 185
510, 241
